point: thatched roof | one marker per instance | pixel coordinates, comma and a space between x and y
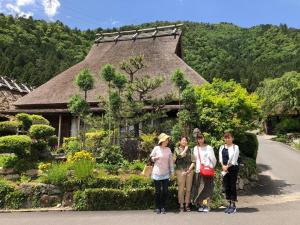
161, 51
11, 91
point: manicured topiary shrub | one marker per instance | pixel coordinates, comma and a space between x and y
116, 199
41, 131
18, 144
111, 155
248, 145
52, 141
25, 120
8, 161
37, 119
8, 128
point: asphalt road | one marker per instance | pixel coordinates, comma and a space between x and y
274, 201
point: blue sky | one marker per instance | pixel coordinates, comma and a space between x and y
91, 14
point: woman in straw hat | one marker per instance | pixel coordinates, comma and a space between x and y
163, 168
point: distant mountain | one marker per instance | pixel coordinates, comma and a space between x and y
33, 51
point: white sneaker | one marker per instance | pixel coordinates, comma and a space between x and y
201, 208
206, 209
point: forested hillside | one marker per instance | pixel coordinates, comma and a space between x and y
33, 51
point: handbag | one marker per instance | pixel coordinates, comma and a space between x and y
147, 171
205, 171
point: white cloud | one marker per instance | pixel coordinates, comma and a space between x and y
51, 7
25, 2
15, 9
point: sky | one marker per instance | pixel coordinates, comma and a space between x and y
91, 14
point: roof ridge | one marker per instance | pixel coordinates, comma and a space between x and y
13, 85
152, 32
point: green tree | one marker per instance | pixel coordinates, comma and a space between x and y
281, 95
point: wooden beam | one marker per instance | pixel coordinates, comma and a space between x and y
59, 130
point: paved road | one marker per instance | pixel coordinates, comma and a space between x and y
275, 201
279, 167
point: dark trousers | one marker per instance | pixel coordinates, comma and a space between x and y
161, 193
229, 182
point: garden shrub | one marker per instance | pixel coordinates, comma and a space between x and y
148, 142
136, 165
136, 181
82, 155
15, 199
288, 125
94, 139
52, 141
18, 144
57, 174
83, 169
248, 145
5, 189
44, 166
8, 128
25, 120
41, 131
112, 155
8, 161
116, 199
37, 119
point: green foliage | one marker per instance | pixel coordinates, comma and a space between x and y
111, 155
78, 106
5, 188
249, 168
73, 147
40, 131
281, 95
83, 169
248, 145
8, 161
84, 80
8, 128
94, 139
108, 73
225, 106
52, 141
33, 51
57, 174
119, 81
136, 165
115, 102
37, 119
18, 144
179, 80
148, 141
288, 125
25, 120
15, 199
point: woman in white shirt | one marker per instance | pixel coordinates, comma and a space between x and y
228, 156
203, 186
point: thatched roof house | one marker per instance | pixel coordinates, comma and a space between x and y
10, 92
160, 46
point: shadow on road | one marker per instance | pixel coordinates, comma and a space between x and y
240, 210
267, 185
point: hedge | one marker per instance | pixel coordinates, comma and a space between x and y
37, 119
25, 120
18, 144
8, 128
41, 131
5, 189
116, 199
248, 145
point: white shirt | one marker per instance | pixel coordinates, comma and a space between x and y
207, 156
233, 152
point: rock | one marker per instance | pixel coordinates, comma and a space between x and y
33, 173
246, 181
67, 199
241, 184
254, 177
49, 200
58, 205
27, 188
6, 171
12, 177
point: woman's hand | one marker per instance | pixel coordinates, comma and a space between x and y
224, 168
